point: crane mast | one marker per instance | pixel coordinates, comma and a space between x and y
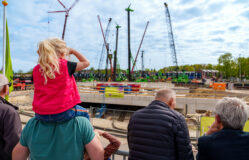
104, 47
171, 37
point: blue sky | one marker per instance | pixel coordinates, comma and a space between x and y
203, 29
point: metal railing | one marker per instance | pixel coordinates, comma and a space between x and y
123, 154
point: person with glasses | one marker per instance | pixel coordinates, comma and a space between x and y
10, 123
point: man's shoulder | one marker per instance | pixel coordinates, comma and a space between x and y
224, 135
78, 122
159, 112
82, 119
7, 108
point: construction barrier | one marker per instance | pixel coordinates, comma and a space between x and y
114, 92
135, 87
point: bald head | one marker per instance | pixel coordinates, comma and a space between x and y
167, 96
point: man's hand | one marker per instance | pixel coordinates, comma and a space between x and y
215, 127
99, 132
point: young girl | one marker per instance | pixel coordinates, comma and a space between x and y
55, 92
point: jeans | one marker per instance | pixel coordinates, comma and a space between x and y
64, 116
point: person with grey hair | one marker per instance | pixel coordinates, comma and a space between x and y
10, 123
226, 139
159, 132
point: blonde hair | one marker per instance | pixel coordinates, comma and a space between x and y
50, 50
60, 46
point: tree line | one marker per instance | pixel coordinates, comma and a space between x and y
228, 67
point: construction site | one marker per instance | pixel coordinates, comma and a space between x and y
111, 95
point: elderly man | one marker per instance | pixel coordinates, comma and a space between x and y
158, 132
10, 123
225, 138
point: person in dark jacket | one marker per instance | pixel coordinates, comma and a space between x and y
158, 132
10, 123
225, 138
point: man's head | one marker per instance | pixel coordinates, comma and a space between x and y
4, 86
231, 113
167, 96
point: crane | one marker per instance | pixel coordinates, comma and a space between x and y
66, 15
134, 63
129, 41
171, 37
115, 53
106, 35
109, 56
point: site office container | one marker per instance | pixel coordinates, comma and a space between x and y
219, 86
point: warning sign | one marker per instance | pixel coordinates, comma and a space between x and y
114, 92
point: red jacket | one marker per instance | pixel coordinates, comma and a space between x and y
58, 95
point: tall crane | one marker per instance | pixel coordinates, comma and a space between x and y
134, 63
106, 35
109, 56
66, 15
171, 37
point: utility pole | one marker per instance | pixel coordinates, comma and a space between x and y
142, 57
129, 44
115, 53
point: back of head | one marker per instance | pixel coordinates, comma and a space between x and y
60, 46
48, 59
233, 112
165, 95
3, 82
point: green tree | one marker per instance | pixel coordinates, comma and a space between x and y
227, 66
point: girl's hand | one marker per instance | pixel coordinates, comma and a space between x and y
70, 51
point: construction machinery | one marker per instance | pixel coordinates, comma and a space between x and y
66, 15
115, 53
109, 56
103, 50
139, 47
171, 37
129, 41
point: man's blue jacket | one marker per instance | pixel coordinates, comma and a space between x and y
227, 144
157, 132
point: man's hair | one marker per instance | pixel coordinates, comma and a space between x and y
166, 94
3, 81
233, 112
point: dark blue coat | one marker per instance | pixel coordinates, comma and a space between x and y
157, 132
226, 144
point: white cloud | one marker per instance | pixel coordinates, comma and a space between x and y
203, 29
